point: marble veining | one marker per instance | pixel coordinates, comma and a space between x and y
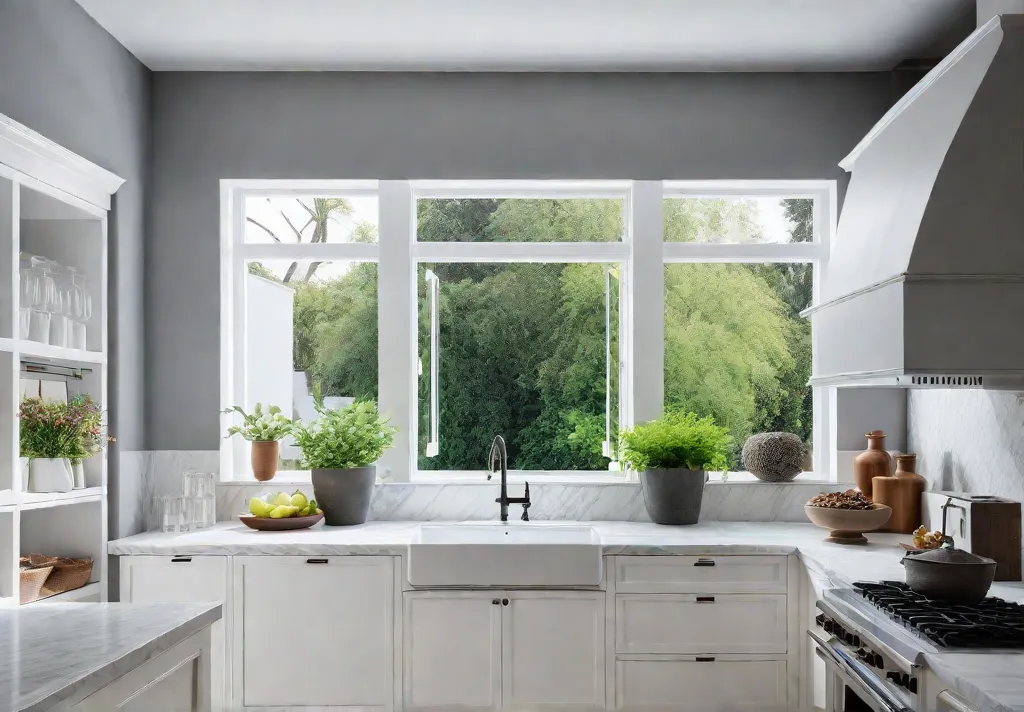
54, 651
723, 501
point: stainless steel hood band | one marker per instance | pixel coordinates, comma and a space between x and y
850, 670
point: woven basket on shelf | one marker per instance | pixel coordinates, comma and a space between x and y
32, 578
67, 575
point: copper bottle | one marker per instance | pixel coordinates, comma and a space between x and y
911, 486
873, 462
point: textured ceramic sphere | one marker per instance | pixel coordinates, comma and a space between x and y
773, 457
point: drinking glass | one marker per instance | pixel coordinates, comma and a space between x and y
201, 486
44, 298
168, 513
29, 282
82, 313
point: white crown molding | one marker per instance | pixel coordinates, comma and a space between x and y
30, 153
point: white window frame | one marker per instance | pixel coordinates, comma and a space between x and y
642, 251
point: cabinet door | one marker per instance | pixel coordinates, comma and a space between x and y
315, 631
553, 649
664, 684
175, 579
452, 650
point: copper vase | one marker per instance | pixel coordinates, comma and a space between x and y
911, 487
264, 459
873, 462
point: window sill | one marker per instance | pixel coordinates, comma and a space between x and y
303, 477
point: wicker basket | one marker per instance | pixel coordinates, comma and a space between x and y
67, 575
32, 578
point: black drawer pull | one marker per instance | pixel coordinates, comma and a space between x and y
181, 559
704, 562
496, 602
705, 599
705, 658
316, 561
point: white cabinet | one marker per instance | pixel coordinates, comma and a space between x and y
452, 654
314, 631
650, 683
175, 579
552, 649
504, 649
693, 624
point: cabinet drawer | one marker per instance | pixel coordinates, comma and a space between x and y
699, 574
684, 624
719, 686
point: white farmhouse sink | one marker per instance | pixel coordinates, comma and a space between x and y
505, 555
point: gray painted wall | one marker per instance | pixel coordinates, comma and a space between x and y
62, 75
209, 126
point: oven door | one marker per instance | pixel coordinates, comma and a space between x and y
949, 701
852, 686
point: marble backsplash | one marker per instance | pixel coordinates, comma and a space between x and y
159, 473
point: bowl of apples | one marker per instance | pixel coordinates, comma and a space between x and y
281, 512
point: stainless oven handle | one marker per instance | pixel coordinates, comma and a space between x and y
955, 702
848, 668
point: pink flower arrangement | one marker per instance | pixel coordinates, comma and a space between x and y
72, 430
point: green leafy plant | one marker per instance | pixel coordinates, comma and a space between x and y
57, 429
677, 440
344, 438
261, 426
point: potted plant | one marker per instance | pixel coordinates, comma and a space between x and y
340, 448
56, 436
264, 430
672, 455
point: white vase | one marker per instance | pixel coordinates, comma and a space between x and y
50, 475
78, 472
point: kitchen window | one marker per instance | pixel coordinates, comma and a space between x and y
551, 312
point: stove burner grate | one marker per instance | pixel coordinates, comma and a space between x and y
992, 623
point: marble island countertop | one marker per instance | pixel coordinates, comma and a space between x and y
52, 651
992, 681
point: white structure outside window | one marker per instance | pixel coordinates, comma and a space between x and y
550, 312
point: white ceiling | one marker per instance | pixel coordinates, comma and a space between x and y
625, 35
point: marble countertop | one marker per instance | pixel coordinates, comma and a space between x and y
52, 651
976, 677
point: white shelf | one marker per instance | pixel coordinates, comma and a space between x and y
34, 349
42, 500
7, 602
87, 591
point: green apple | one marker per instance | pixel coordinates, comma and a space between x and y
259, 508
280, 498
299, 500
283, 511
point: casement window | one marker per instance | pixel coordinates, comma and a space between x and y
553, 313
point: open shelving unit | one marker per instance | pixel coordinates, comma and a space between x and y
54, 204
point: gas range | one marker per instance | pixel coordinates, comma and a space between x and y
874, 638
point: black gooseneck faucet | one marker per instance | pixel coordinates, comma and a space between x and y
498, 460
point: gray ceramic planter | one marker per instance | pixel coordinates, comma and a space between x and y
344, 495
673, 496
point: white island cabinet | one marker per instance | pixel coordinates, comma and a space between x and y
509, 650
314, 632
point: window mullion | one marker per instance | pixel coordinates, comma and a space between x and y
396, 326
645, 353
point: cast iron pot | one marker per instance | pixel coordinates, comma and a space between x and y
344, 495
948, 574
673, 496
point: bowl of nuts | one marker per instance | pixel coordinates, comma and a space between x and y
847, 515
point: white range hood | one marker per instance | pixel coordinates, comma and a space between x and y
925, 284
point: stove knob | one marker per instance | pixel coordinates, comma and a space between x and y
879, 662
905, 680
820, 619
856, 640
893, 677
850, 637
913, 685
828, 625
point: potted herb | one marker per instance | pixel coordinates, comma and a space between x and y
264, 430
56, 436
340, 448
672, 455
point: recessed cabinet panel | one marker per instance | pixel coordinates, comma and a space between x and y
719, 623
673, 685
553, 650
452, 650
316, 631
697, 574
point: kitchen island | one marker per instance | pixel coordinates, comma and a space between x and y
90, 657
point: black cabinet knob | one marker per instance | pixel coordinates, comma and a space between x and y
504, 601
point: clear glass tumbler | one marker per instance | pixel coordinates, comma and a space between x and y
202, 486
168, 513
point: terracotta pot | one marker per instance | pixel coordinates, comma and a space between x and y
873, 462
911, 489
264, 459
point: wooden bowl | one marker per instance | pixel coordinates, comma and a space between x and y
266, 524
847, 526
